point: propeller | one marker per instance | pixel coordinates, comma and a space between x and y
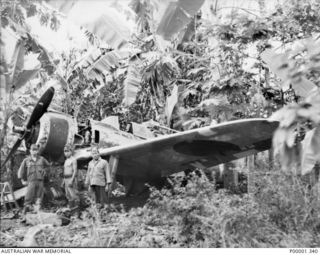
40, 108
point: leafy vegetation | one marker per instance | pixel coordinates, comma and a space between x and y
213, 70
281, 212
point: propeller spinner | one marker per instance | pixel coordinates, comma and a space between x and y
40, 108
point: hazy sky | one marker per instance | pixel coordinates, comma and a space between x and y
69, 35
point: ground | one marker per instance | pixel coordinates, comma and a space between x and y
76, 234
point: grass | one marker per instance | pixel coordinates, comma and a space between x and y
283, 210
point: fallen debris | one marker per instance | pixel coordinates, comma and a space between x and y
43, 218
29, 238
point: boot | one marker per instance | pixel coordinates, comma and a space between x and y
78, 209
37, 205
78, 212
26, 209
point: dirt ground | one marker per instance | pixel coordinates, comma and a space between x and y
76, 234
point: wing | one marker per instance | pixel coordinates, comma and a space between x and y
202, 148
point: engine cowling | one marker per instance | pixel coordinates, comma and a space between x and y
55, 131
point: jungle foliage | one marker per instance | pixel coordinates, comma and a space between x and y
212, 71
281, 212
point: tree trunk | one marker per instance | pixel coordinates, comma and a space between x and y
267, 77
271, 158
230, 177
7, 112
262, 7
3, 132
251, 169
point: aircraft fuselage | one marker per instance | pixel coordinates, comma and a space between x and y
58, 129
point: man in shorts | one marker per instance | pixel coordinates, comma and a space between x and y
32, 172
70, 182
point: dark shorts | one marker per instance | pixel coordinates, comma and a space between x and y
35, 191
99, 194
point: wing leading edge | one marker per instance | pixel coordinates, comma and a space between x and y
202, 148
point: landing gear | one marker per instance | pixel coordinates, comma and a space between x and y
113, 163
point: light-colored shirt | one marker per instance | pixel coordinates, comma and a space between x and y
33, 170
98, 173
69, 167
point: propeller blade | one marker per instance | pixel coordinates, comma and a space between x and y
40, 108
13, 150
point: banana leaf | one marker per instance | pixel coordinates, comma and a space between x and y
132, 83
16, 65
177, 16
280, 65
171, 102
62, 6
311, 150
98, 18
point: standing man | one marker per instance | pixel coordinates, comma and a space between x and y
70, 178
98, 177
32, 172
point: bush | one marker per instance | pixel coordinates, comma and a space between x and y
283, 212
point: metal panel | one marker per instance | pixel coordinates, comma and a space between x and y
56, 130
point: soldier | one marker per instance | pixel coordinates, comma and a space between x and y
98, 178
70, 182
32, 173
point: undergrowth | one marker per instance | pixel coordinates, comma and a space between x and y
282, 211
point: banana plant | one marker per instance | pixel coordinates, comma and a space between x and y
13, 77
177, 15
